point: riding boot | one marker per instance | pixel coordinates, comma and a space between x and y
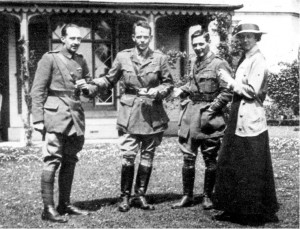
188, 178
66, 175
209, 183
127, 175
47, 186
141, 185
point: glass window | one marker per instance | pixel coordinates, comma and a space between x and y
96, 47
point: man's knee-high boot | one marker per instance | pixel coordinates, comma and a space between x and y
141, 185
127, 175
66, 175
188, 179
209, 183
47, 187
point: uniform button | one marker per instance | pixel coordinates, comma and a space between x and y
240, 129
244, 103
241, 116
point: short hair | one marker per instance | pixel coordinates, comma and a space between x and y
143, 24
199, 33
65, 27
258, 36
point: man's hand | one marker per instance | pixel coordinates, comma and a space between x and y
143, 92
152, 93
39, 127
83, 86
176, 92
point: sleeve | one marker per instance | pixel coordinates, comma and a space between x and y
39, 88
92, 88
166, 83
107, 82
224, 95
254, 86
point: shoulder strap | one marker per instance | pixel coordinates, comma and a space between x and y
62, 67
193, 74
137, 74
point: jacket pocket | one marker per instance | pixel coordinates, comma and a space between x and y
51, 106
126, 104
208, 82
159, 116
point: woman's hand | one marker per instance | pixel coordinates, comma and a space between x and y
226, 77
176, 92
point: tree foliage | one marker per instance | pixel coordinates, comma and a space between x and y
283, 87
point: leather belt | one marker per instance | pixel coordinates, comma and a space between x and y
72, 94
202, 97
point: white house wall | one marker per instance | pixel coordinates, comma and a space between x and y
282, 39
15, 119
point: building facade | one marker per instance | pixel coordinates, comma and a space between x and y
106, 28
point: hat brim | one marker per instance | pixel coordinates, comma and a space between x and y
250, 31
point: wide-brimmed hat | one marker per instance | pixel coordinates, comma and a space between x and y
246, 27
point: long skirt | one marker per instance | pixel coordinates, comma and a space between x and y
245, 180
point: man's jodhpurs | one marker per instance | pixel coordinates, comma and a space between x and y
209, 149
59, 150
130, 145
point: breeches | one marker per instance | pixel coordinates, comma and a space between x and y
209, 149
131, 144
59, 148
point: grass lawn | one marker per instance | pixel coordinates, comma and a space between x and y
97, 181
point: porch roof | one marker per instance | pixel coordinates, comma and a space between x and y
162, 7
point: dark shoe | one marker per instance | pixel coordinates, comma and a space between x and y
124, 205
71, 210
207, 203
50, 214
186, 201
141, 202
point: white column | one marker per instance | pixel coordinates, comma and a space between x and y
152, 44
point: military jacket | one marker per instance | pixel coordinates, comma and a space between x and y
138, 114
55, 100
201, 113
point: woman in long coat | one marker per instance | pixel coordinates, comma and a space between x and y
245, 188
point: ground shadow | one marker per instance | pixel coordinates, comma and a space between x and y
94, 205
169, 197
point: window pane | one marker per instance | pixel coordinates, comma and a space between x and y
58, 23
103, 30
103, 60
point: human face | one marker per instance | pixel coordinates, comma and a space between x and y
200, 46
141, 38
248, 40
72, 39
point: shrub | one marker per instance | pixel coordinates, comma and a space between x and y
283, 87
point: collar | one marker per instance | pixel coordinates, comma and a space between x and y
206, 60
141, 54
148, 55
66, 53
252, 51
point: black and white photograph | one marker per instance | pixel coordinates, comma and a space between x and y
149, 113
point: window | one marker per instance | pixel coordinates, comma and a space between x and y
96, 47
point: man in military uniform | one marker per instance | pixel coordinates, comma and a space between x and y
60, 78
201, 123
142, 119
